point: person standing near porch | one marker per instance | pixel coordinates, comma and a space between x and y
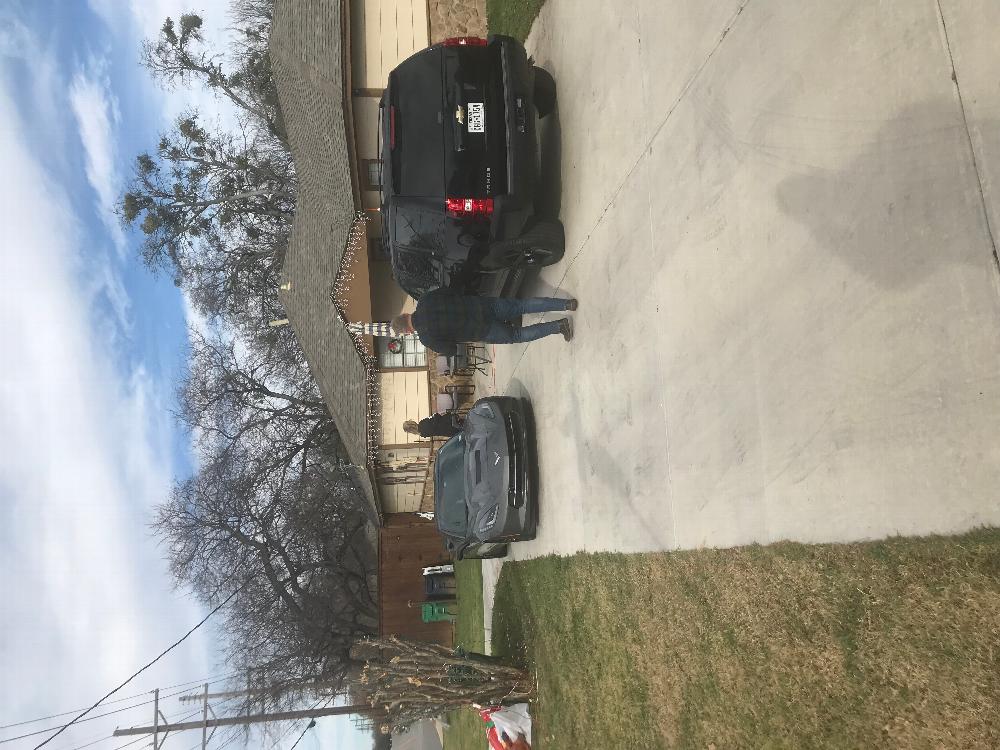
444, 318
436, 425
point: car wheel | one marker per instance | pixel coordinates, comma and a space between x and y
542, 244
489, 551
541, 256
545, 91
545, 243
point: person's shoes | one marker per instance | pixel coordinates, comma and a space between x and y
566, 328
572, 304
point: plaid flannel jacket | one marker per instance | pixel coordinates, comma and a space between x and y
444, 318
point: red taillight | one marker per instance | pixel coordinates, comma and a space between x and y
464, 41
469, 207
392, 127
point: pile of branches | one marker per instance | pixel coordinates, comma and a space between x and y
413, 681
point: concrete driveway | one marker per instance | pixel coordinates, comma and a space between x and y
781, 223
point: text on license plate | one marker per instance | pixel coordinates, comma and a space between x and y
477, 118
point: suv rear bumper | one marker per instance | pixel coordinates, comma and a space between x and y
512, 211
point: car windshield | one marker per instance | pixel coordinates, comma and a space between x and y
449, 488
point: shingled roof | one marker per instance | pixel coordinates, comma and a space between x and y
306, 58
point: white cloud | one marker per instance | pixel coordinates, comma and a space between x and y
95, 109
15, 38
84, 452
19, 43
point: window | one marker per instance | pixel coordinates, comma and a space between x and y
412, 355
372, 174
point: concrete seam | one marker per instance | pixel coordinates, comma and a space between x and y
673, 107
968, 135
614, 198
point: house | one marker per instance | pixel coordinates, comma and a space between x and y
330, 59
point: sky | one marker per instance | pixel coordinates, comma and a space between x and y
91, 346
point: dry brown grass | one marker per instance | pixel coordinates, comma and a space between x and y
895, 643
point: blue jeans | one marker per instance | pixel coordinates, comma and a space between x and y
506, 329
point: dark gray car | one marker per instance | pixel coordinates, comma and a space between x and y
484, 488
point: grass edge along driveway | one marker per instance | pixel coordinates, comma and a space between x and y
890, 643
512, 17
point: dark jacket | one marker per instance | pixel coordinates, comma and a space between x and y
444, 318
438, 425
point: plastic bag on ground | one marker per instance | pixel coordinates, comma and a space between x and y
511, 722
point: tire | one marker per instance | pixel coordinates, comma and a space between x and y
500, 550
545, 91
542, 244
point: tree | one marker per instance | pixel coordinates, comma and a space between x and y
271, 512
216, 210
238, 395
295, 552
179, 56
413, 681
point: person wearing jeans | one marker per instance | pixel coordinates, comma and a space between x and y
445, 318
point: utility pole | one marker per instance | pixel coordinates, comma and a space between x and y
156, 717
230, 721
204, 719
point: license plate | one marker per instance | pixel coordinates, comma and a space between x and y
477, 117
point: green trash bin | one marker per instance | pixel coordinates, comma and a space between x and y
436, 612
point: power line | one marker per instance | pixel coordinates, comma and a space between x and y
309, 726
143, 669
104, 737
312, 723
95, 717
231, 739
120, 747
184, 685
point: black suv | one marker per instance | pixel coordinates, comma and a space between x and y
460, 167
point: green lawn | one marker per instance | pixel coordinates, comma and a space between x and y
512, 17
895, 643
466, 729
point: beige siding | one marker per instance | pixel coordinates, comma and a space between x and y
384, 33
421, 26
404, 396
401, 475
400, 498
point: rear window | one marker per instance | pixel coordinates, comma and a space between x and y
418, 159
438, 153
421, 230
470, 81
417, 273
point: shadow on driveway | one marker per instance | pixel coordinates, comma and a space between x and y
901, 208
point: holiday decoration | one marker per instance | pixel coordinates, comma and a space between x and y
358, 331
379, 328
